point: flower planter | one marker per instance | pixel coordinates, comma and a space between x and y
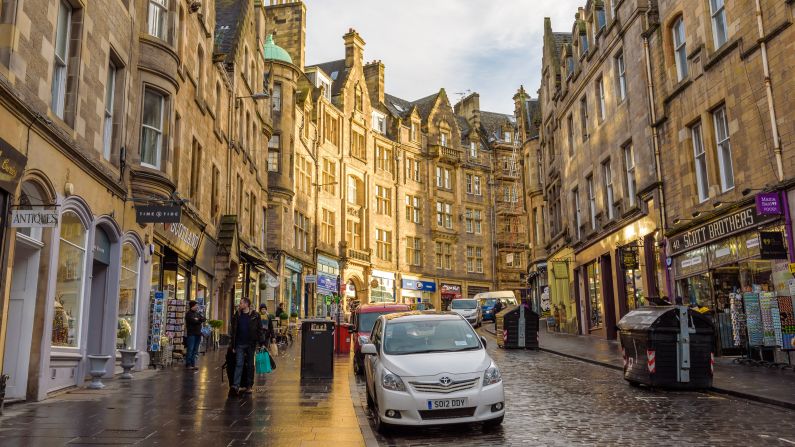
97, 364
127, 362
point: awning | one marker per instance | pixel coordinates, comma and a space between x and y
255, 257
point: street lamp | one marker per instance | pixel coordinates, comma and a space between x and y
256, 97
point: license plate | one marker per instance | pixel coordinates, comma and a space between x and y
442, 404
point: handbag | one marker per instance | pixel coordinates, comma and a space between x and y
207, 331
262, 362
273, 348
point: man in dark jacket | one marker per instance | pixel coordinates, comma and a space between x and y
193, 334
246, 330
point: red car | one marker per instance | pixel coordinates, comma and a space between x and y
363, 320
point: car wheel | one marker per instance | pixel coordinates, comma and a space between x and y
493, 423
380, 426
357, 367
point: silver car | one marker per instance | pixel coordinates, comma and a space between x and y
469, 308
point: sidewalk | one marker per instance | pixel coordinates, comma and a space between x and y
767, 385
178, 407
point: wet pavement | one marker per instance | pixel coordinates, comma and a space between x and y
553, 400
178, 407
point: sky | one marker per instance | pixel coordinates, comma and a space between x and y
486, 46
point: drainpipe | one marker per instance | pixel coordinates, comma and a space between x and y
769, 92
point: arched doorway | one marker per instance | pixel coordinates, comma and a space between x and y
29, 245
104, 293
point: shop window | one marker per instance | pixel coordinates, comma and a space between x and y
152, 128
69, 283
594, 296
128, 297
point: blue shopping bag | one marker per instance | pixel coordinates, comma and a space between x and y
262, 362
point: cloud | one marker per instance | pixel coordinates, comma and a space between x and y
488, 46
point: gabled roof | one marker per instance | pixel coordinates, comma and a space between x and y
493, 123
560, 39
338, 73
463, 125
425, 105
229, 16
397, 107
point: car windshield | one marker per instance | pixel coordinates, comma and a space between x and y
488, 302
367, 320
423, 336
464, 304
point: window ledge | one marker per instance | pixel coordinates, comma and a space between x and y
720, 53
678, 88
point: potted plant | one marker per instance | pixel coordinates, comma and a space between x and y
215, 324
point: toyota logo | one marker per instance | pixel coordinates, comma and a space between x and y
445, 381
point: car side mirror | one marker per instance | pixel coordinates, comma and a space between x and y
369, 349
483, 339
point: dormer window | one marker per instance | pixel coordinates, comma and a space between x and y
414, 135
583, 44
379, 123
444, 139
569, 65
600, 19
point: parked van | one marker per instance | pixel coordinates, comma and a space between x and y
487, 301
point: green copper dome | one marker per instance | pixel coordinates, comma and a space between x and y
275, 52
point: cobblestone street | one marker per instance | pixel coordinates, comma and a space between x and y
553, 400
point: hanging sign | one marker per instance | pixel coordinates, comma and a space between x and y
629, 259
310, 279
33, 219
12, 164
768, 203
771, 245
158, 214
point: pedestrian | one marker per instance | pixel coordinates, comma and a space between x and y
266, 331
193, 332
246, 328
497, 307
279, 310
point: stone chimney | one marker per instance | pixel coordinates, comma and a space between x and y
286, 20
374, 75
469, 108
354, 48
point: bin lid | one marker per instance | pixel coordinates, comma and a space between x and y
661, 317
318, 325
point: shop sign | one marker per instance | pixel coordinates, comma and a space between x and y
425, 286
326, 284
33, 219
768, 203
101, 247
451, 288
629, 259
772, 245
691, 262
745, 219
293, 265
310, 279
183, 236
12, 163
145, 214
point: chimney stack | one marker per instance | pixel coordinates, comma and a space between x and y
354, 48
374, 76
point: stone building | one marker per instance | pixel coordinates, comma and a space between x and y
600, 182
107, 107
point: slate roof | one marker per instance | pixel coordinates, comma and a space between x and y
492, 123
463, 125
560, 40
397, 107
338, 73
532, 111
229, 15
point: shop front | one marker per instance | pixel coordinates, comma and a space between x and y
727, 267
293, 285
565, 308
538, 289
327, 289
449, 292
382, 287
416, 292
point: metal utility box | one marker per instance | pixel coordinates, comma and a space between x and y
517, 328
317, 349
668, 347
342, 343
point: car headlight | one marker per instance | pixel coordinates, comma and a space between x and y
363, 340
492, 375
392, 381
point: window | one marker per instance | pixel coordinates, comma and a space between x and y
476, 185
537, 224
506, 136
358, 98
240, 197
413, 133
413, 251
583, 44
329, 178
214, 188
513, 260
444, 138
468, 181
303, 175
570, 130
379, 123
263, 229
629, 164
510, 194
195, 173
718, 12
353, 234
200, 73
725, 164
152, 128
61, 61
353, 191
252, 220
474, 259
413, 209
575, 194
107, 125
473, 150
331, 129
383, 244
383, 159
218, 98
622, 76
274, 151
383, 200
594, 295
443, 178
600, 96
569, 65
158, 19
358, 146
67, 316
592, 202
414, 169
607, 174
444, 214
680, 48
473, 220
444, 255
584, 117
327, 231
276, 97
700, 160
601, 19
128, 297
300, 231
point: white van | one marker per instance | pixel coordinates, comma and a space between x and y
487, 301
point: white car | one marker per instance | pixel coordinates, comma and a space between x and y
469, 308
426, 368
